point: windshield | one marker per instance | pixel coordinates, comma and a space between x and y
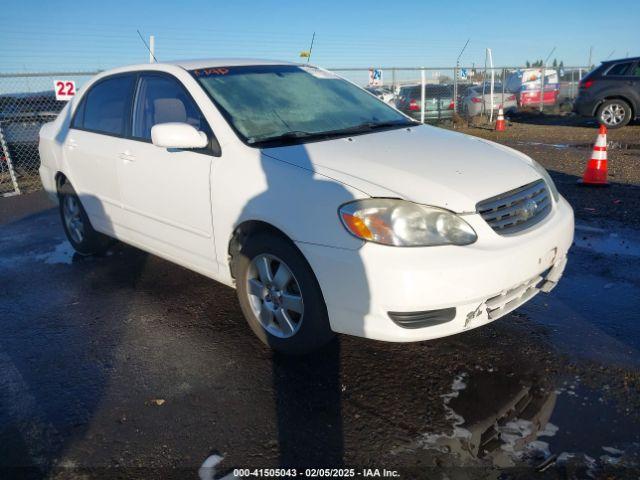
264, 103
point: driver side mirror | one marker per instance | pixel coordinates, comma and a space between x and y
178, 135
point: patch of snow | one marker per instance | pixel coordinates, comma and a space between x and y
208, 469
539, 448
609, 459
62, 254
433, 440
549, 430
613, 450
565, 456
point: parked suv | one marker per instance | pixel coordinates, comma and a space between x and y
611, 93
327, 209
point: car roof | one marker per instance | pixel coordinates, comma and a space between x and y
225, 62
630, 59
191, 65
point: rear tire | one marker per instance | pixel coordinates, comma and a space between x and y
279, 295
614, 113
81, 235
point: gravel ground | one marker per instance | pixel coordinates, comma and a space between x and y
127, 366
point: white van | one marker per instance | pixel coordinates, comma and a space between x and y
526, 85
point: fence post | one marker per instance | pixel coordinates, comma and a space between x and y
502, 81
455, 90
7, 159
544, 72
422, 94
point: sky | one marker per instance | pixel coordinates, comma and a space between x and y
39, 36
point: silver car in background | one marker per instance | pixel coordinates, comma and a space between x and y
475, 102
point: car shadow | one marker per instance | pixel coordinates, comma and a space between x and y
53, 316
308, 388
551, 118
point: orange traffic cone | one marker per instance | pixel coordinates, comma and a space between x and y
596, 171
500, 125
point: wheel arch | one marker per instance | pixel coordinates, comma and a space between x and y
252, 227
617, 97
60, 179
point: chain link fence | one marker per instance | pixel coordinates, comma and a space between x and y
429, 95
27, 101
438, 95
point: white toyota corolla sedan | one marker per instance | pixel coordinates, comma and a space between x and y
327, 209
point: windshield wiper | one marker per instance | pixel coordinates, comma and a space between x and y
368, 126
293, 134
301, 134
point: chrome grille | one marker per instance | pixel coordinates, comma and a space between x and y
516, 210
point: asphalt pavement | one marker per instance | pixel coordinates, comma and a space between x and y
127, 366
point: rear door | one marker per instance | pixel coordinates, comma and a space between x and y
166, 192
634, 83
621, 78
93, 147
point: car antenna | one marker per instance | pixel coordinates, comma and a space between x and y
311, 47
145, 44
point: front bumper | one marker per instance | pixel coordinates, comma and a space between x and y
483, 281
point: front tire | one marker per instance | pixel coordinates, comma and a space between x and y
279, 295
614, 113
81, 235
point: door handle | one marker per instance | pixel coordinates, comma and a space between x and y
127, 156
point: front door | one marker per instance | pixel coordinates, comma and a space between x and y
166, 192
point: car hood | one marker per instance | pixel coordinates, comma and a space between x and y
423, 164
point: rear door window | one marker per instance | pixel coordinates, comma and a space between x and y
105, 108
620, 69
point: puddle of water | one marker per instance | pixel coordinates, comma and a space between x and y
503, 421
620, 242
591, 317
583, 146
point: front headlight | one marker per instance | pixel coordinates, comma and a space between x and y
404, 224
547, 178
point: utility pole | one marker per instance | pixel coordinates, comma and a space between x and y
152, 48
590, 55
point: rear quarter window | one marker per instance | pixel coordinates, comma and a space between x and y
619, 69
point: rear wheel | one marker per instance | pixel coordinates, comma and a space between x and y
81, 235
614, 113
279, 295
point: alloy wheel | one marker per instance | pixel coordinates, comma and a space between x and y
73, 218
613, 114
275, 296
